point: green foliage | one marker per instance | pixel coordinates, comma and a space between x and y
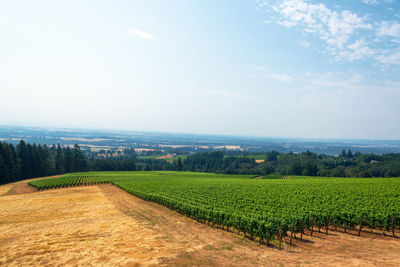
179, 165
28, 161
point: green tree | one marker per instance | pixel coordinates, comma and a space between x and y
272, 156
58, 160
296, 168
349, 154
179, 164
46, 166
24, 154
67, 160
310, 169
78, 162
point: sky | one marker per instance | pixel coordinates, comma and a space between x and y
283, 68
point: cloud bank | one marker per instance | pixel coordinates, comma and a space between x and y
344, 34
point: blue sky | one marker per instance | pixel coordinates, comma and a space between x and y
289, 68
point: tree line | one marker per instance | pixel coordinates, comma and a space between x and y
27, 161
30, 160
306, 163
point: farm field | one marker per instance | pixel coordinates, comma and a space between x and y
263, 209
253, 156
167, 157
258, 158
150, 156
103, 225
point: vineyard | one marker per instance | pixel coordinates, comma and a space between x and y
263, 209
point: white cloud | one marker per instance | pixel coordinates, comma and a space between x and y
280, 77
370, 2
374, 2
142, 34
335, 29
357, 50
345, 34
331, 81
265, 72
304, 44
389, 57
258, 68
388, 29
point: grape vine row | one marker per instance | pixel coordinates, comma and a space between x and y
262, 208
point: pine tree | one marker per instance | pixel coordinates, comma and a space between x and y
3, 171
79, 161
349, 154
58, 160
67, 160
46, 167
179, 164
24, 154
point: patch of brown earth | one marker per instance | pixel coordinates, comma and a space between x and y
103, 225
21, 187
169, 156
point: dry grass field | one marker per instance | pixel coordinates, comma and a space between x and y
105, 226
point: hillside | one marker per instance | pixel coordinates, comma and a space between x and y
103, 225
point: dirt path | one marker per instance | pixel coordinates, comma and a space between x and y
193, 243
105, 226
21, 187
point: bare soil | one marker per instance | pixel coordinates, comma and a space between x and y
21, 187
105, 226
169, 156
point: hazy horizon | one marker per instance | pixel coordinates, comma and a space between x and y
116, 130
287, 68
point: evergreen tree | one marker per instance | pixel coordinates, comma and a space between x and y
3, 171
46, 166
296, 168
349, 154
4, 165
58, 160
272, 156
179, 164
15, 163
24, 154
67, 160
79, 161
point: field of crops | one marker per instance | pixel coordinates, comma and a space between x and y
150, 156
255, 156
263, 208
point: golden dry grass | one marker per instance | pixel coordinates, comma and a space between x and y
105, 226
169, 156
71, 226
